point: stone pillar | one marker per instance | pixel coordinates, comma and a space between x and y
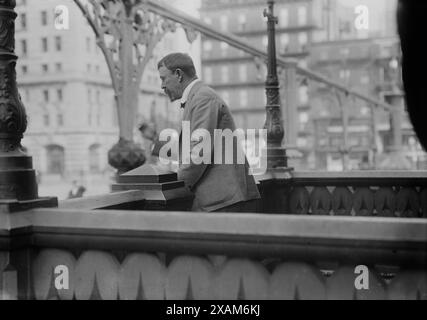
18, 186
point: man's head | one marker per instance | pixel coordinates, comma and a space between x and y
176, 73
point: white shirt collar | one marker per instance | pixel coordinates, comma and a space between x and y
187, 91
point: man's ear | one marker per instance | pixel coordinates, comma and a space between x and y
180, 74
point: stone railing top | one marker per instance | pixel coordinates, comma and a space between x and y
305, 237
375, 177
103, 201
374, 174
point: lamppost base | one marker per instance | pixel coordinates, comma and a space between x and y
18, 185
277, 165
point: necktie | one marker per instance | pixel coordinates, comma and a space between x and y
183, 105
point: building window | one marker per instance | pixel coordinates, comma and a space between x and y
45, 68
243, 72
224, 23
89, 68
55, 159
24, 69
89, 96
88, 44
224, 48
243, 98
302, 142
302, 63
58, 67
44, 45
302, 16
208, 74
24, 47
94, 158
226, 97
345, 74
242, 22
224, 75
303, 95
23, 18
207, 46
303, 40
46, 120
60, 119
303, 117
284, 18
284, 43
59, 94
44, 18
265, 41
364, 79
46, 95
365, 111
58, 43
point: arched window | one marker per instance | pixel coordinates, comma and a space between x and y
55, 159
94, 158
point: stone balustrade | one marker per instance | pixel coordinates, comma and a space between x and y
374, 193
112, 254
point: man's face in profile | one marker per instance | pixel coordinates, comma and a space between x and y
170, 83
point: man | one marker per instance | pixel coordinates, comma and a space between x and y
217, 187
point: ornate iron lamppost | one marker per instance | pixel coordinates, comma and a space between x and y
276, 154
18, 185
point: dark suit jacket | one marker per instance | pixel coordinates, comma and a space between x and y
215, 185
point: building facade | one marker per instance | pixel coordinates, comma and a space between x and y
324, 36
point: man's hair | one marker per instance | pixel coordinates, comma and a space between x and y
178, 60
